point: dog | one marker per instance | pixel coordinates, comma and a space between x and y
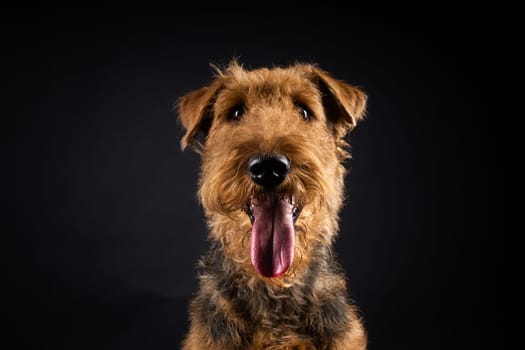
272, 145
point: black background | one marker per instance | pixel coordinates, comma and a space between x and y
107, 228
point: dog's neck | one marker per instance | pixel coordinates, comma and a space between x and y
319, 288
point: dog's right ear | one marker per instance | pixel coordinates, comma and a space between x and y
196, 114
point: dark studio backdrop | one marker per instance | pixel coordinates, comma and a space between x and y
107, 229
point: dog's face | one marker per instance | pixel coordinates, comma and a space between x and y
272, 149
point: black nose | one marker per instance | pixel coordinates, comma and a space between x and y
268, 170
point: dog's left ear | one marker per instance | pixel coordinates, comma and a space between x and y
344, 104
196, 114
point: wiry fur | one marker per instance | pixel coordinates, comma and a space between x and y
308, 307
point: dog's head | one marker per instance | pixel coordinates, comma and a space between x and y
272, 146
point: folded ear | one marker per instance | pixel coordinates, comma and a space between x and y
196, 114
344, 104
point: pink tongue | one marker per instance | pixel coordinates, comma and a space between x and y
273, 235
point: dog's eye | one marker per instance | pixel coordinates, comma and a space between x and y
236, 112
305, 113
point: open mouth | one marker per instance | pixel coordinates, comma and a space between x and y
273, 233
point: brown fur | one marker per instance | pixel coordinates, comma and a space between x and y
308, 307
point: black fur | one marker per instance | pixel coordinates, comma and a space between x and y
318, 315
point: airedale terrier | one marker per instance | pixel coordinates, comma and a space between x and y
271, 184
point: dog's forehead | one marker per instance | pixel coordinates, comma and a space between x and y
288, 81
